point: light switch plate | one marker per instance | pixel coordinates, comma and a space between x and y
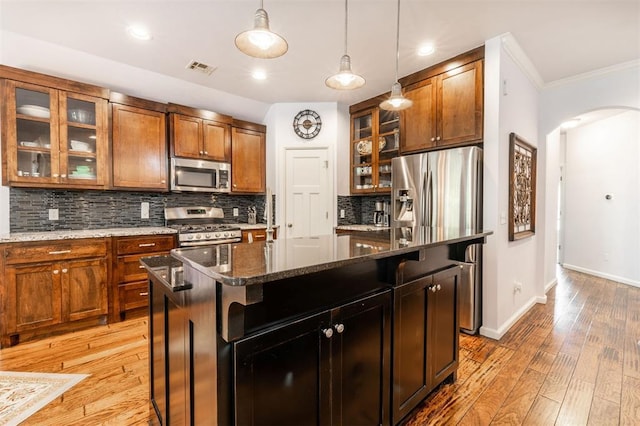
144, 210
341, 213
53, 214
235, 212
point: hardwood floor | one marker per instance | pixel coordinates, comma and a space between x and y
573, 361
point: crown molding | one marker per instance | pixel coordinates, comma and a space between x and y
592, 74
521, 59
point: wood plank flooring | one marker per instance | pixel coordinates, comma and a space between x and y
573, 361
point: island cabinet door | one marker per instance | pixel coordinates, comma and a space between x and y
282, 376
410, 332
361, 362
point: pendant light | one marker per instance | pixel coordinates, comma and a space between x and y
396, 101
345, 79
260, 42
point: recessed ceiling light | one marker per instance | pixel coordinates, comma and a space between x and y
139, 32
426, 49
259, 74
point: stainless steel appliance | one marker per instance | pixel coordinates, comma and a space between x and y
200, 175
443, 189
199, 226
378, 214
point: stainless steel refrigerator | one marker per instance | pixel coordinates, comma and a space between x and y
443, 189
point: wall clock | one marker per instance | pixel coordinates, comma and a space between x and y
307, 124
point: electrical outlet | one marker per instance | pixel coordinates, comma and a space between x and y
341, 213
517, 287
503, 218
235, 212
53, 214
144, 210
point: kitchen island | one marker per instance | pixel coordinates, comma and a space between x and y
335, 329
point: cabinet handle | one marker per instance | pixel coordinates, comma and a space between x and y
439, 287
141, 267
146, 245
56, 272
63, 176
339, 328
65, 270
433, 289
328, 332
144, 293
259, 236
60, 252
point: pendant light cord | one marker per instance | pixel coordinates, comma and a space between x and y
346, 20
397, 40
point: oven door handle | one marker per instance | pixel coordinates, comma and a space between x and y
210, 243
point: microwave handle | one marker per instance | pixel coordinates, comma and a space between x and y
217, 176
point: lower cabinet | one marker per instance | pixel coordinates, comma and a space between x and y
49, 285
329, 368
425, 337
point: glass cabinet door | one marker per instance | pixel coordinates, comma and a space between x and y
32, 133
83, 137
362, 152
388, 143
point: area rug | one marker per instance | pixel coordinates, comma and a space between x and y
22, 394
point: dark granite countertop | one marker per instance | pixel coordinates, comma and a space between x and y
260, 262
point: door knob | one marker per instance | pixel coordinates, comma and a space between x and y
289, 225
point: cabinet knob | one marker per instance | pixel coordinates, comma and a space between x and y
206, 153
328, 332
201, 152
65, 270
55, 175
339, 328
438, 138
63, 176
163, 181
56, 272
433, 289
439, 287
234, 185
433, 139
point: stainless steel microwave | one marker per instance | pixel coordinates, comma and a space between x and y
200, 175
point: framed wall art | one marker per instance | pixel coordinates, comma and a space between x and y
522, 188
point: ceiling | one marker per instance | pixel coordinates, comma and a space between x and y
561, 38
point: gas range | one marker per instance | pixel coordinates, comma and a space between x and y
198, 226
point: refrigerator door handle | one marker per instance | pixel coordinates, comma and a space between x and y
428, 200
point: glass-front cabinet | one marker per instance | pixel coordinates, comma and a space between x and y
53, 138
374, 142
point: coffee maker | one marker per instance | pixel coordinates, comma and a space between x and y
381, 214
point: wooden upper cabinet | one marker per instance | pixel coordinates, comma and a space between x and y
199, 134
419, 121
447, 104
248, 157
139, 145
52, 137
460, 99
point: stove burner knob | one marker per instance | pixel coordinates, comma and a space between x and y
198, 236
226, 234
217, 235
189, 237
207, 236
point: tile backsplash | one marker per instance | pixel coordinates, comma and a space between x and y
113, 209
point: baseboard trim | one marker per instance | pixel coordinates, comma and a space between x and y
551, 284
606, 276
497, 334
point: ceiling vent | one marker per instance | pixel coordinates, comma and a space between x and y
199, 66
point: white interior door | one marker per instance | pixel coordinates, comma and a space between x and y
308, 193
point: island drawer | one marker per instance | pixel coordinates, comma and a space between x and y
34, 252
144, 244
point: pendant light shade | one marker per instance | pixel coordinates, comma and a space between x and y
345, 79
396, 101
260, 42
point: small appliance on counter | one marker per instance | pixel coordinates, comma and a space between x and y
381, 214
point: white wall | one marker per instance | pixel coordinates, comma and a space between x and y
616, 87
280, 136
601, 236
511, 105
